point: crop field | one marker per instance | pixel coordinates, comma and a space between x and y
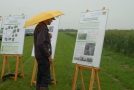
121, 41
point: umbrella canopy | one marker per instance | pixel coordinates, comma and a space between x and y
42, 16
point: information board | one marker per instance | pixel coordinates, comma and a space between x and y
0, 22
13, 35
90, 36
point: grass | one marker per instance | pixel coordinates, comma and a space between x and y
117, 70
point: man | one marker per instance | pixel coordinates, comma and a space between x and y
43, 51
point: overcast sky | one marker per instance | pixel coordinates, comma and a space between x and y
121, 13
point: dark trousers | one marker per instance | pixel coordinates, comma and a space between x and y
43, 73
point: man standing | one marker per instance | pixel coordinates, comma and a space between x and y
43, 51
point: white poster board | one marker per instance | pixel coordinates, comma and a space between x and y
53, 29
90, 36
13, 35
0, 22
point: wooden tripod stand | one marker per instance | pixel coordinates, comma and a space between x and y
18, 64
34, 73
93, 74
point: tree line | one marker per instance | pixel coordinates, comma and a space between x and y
68, 30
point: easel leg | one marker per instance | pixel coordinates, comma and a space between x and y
34, 71
92, 79
8, 65
20, 63
16, 70
83, 85
97, 80
53, 73
3, 66
75, 78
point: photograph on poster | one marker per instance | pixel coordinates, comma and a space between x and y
14, 30
89, 49
83, 59
51, 28
15, 26
76, 58
89, 59
82, 36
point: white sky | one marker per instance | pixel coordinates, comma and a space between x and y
121, 13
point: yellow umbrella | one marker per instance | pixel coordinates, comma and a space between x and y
42, 16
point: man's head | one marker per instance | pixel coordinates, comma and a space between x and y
48, 21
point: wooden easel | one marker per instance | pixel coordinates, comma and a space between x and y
93, 74
18, 65
34, 73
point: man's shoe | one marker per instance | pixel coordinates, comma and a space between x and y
44, 88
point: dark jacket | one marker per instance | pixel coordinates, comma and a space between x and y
42, 44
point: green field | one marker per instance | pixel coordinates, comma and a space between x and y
121, 41
117, 70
